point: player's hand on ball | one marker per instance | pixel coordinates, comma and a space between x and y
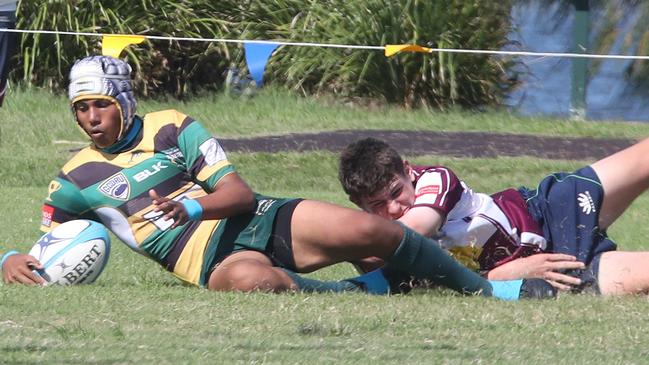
18, 269
170, 208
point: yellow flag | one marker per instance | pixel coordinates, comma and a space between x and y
114, 44
392, 49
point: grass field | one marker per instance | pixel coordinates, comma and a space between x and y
137, 313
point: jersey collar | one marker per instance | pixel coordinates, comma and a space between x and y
128, 140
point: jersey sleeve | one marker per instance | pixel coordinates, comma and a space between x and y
439, 188
64, 202
206, 160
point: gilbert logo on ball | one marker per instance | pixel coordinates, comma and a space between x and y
74, 252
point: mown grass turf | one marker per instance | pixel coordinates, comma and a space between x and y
138, 313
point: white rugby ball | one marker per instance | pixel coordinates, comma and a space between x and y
74, 252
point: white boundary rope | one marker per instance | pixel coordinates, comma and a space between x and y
348, 46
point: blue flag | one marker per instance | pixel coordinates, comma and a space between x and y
257, 55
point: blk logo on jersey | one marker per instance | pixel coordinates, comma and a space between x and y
146, 173
586, 202
116, 187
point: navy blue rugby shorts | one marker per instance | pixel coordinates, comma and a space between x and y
567, 207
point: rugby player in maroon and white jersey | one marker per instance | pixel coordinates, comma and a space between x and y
556, 232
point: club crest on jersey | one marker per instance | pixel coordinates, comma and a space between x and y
116, 187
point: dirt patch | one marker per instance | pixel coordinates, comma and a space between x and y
460, 144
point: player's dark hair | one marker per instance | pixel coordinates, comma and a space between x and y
368, 166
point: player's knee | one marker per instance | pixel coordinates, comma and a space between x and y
249, 276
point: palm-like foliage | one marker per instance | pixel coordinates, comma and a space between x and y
412, 79
635, 42
438, 79
167, 67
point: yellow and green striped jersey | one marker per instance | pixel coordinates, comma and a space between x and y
173, 154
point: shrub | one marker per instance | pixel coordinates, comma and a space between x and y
438, 79
162, 67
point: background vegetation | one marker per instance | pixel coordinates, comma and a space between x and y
439, 80
161, 67
636, 39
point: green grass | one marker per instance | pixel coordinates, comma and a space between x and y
138, 313
37, 117
119, 323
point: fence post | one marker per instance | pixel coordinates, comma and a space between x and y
579, 65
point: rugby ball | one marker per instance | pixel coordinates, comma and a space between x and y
74, 252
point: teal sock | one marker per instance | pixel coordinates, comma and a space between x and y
424, 259
373, 282
506, 290
318, 286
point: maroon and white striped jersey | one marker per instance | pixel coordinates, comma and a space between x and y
489, 229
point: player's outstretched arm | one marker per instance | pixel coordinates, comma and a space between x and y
547, 266
231, 196
17, 269
423, 220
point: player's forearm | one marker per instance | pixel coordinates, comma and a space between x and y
227, 201
424, 221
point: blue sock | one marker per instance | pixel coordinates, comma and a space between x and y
506, 289
374, 282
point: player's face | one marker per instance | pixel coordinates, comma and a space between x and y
100, 119
393, 201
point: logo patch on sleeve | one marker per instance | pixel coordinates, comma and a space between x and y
212, 151
116, 187
430, 189
47, 214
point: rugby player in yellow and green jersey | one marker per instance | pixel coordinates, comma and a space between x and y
164, 186
172, 154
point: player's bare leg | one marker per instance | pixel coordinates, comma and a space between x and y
324, 234
623, 273
624, 176
249, 271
